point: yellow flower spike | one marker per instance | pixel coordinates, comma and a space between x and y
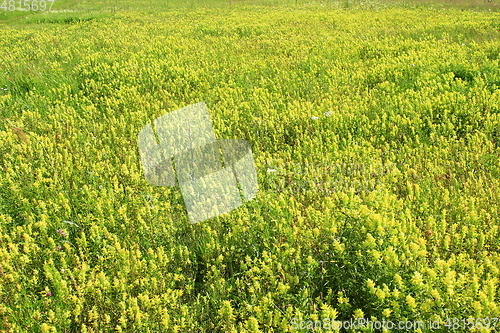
370, 284
45, 328
417, 278
380, 293
411, 302
358, 314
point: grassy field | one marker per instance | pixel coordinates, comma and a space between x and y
375, 129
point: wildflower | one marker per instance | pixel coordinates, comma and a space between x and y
62, 233
314, 118
411, 302
48, 294
328, 113
359, 313
59, 248
271, 170
387, 312
45, 328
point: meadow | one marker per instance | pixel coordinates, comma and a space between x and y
375, 129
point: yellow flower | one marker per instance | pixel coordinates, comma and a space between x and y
359, 313
45, 328
411, 302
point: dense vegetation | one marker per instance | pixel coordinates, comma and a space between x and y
375, 130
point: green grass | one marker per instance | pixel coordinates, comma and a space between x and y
381, 121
